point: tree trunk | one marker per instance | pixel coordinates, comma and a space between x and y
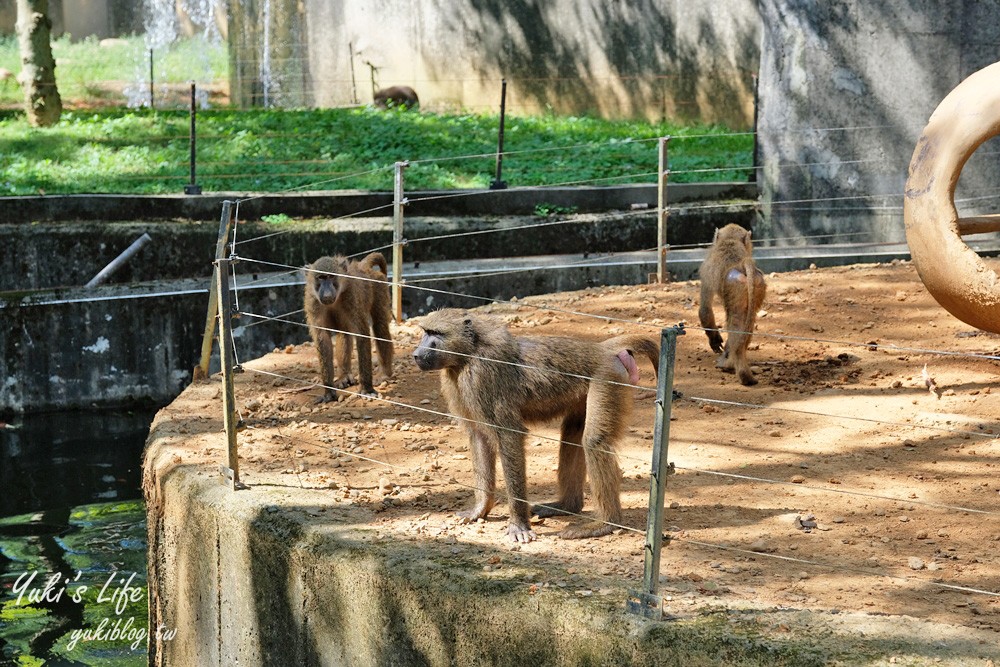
42, 104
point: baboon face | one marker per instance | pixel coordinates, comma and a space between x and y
326, 286
441, 339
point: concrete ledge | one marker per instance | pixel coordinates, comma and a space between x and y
332, 203
281, 574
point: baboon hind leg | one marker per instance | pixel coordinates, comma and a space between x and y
740, 319
364, 344
607, 409
706, 315
572, 469
383, 343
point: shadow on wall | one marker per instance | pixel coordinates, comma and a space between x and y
637, 60
845, 93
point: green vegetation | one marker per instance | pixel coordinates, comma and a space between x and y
144, 152
90, 74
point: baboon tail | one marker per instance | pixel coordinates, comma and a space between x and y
638, 345
376, 260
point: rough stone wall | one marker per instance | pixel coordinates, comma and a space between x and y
644, 58
846, 87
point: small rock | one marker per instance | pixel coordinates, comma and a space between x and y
775, 433
915, 563
798, 479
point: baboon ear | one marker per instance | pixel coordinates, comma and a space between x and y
471, 331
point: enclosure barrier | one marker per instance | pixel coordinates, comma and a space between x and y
398, 202
662, 210
230, 473
225, 227
647, 602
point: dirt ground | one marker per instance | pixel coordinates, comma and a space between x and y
841, 482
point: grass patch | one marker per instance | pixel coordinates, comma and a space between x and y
142, 151
89, 74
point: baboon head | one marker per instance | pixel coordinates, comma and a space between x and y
323, 279
733, 232
449, 336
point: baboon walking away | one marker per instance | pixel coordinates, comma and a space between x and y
496, 383
352, 299
730, 273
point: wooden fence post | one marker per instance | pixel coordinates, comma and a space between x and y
225, 226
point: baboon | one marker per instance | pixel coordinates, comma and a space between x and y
725, 272
342, 295
496, 382
402, 97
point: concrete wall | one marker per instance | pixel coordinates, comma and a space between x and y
877, 69
643, 58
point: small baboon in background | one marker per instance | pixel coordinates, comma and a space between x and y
496, 382
402, 97
730, 272
350, 297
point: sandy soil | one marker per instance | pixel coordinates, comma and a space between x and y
899, 479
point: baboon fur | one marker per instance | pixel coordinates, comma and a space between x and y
724, 274
496, 383
396, 97
347, 297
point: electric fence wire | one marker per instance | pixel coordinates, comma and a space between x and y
699, 543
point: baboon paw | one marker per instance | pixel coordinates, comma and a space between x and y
546, 510
589, 529
748, 379
470, 515
522, 534
368, 394
343, 383
327, 397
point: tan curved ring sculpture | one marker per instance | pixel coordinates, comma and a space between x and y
951, 271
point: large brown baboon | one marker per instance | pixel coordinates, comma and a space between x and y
347, 298
725, 273
496, 382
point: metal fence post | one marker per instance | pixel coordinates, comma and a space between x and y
662, 212
225, 226
193, 188
398, 202
231, 472
647, 602
498, 182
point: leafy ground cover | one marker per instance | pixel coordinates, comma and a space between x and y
143, 151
